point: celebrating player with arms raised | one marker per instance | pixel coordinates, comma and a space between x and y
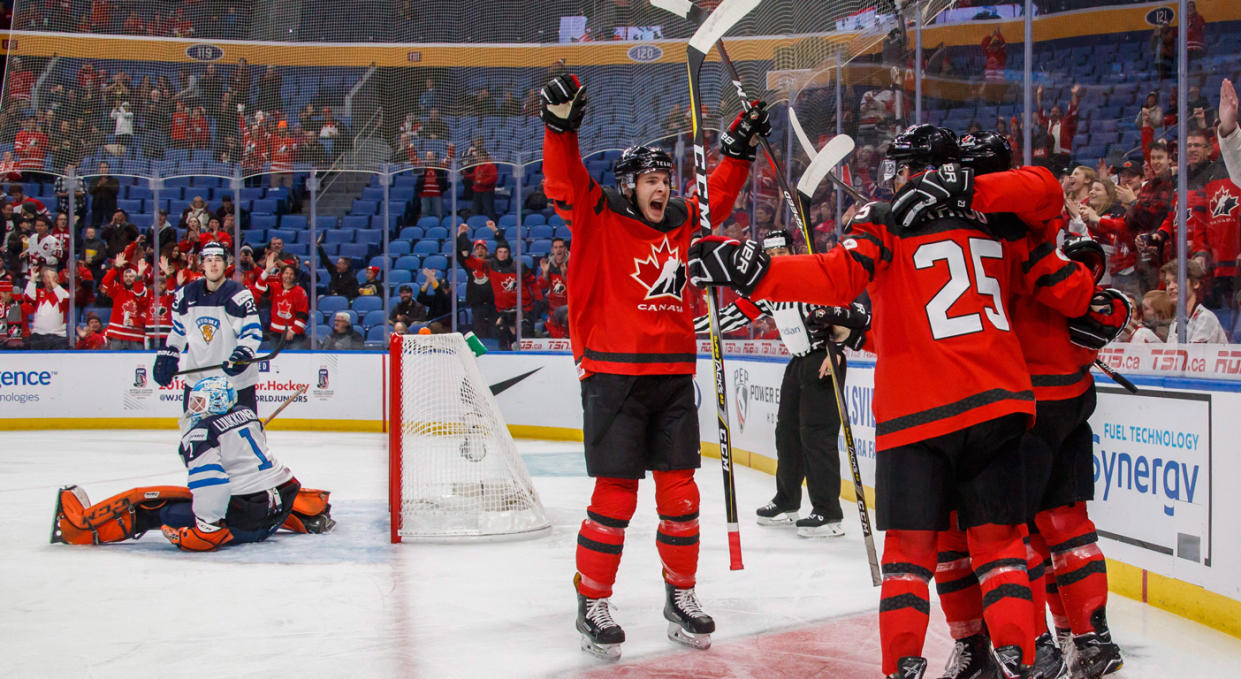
632, 331
940, 283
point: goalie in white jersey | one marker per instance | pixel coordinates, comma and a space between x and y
237, 491
807, 421
214, 320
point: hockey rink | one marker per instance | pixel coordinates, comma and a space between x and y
349, 604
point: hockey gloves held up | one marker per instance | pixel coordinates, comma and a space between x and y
717, 260
843, 325
1109, 313
238, 361
166, 362
739, 140
564, 103
201, 537
949, 186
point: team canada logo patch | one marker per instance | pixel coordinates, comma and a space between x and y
1223, 204
207, 327
662, 273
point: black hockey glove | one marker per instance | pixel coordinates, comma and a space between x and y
717, 260
235, 366
166, 363
1086, 250
564, 103
739, 140
842, 325
949, 186
1109, 313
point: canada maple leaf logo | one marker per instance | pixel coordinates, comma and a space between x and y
1223, 204
662, 273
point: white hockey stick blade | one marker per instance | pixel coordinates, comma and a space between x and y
681, 8
806, 146
725, 16
830, 156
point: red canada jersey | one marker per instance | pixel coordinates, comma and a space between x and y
289, 308
555, 286
128, 307
1214, 219
504, 283
31, 148
159, 319
948, 357
630, 307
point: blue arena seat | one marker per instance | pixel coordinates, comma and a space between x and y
398, 247
374, 317
333, 303
411, 233
426, 246
367, 303
408, 262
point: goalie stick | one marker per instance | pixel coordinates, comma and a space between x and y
256, 359
724, 17
292, 397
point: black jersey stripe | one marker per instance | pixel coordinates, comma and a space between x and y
950, 410
617, 357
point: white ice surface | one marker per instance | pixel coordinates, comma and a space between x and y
350, 604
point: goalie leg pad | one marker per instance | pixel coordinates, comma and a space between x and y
959, 594
905, 598
121, 517
602, 536
676, 500
311, 512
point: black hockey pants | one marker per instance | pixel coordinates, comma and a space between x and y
807, 425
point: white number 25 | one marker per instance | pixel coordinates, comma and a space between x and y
942, 325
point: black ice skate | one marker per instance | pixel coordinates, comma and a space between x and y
1009, 660
601, 636
971, 659
1064, 639
687, 623
909, 667
1049, 661
772, 514
818, 526
1096, 654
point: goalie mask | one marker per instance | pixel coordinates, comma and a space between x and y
211, 396
919, 147
986, 152
636, 161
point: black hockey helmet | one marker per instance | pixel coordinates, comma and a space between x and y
778, 238
986, 152
920, 147
1086, 250
638, 160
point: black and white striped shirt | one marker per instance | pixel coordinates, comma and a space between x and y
790, 318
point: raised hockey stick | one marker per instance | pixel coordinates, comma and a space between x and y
821, 164
256, 359
292, 397
817, 174
1116, 377
724, 17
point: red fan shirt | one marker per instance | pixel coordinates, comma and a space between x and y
127, 321
289, 308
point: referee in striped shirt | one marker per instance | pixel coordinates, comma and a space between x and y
807, 421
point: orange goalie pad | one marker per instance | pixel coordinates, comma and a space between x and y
77, 522
310, 512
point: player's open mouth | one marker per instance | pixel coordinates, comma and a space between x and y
657, 205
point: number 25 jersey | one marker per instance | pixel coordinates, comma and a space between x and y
947, 354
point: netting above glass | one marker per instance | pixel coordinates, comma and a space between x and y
216, 88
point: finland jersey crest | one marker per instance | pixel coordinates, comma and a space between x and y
207, 326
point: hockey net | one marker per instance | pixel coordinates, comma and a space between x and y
454, 470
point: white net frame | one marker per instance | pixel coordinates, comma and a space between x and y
454, 468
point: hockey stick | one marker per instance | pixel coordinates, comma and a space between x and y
1116, 377
292, 397
256, 359
821, 163
817, 174
724, 17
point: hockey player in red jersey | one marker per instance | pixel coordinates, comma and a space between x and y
1058, 456
940, 277
632, 331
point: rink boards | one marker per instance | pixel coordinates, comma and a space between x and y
1169, 530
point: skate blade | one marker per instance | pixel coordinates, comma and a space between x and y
680, 635
603, 651
1114, 666
781, 520
825, 531
56, 536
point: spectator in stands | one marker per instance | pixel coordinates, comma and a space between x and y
200, 129
400, 328
344, 281
428, 100
483, 104
247, 268
309, 149
50, 304
485, 178
1077, 184
31, 147
14, 318
62, 193
479, 296
103, 191
431, 186
269, 90
215, 233
329, 131
118, 233
1202, 325
15, 247
501, 271
510, 105
158, 117
995, 56
239, 81
212, 86
554, 275
274, 248
1149, 119
282, 149
434, 126
227, 207
290, 307
343, 336
373, 285
408, 310
1158, 310
1163, 46
1195, 33
1061, 127
93, 251
63, 145
536, 200
894, 50
90, 336
19, 83
197, 211
124, 130
179, 130
433, 294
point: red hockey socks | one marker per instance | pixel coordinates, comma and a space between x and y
1080, 570
1038, 590
904, 606
959, 594
602, 536
999, 556
676, 500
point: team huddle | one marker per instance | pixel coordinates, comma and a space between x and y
977, 301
